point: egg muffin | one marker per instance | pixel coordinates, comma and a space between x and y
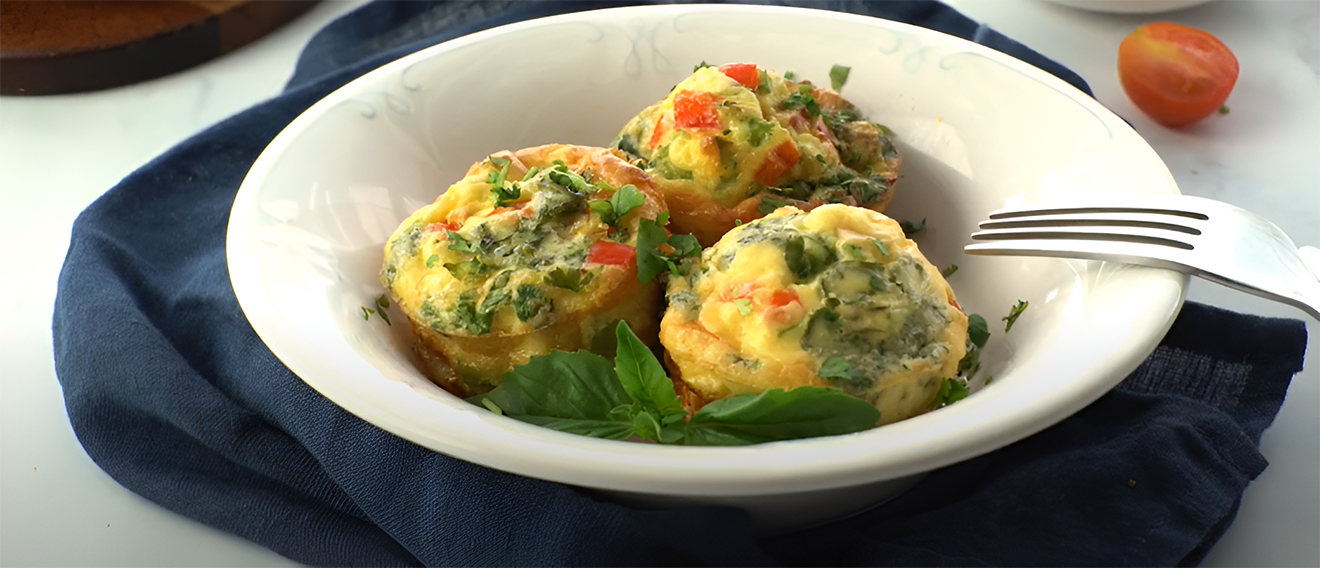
835, 297
732, 143
532, 251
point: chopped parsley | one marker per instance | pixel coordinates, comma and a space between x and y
910, 228
624, 200
568, 279
948, 270
382, 303
1013, 314
758, 131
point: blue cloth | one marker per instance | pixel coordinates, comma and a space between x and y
172, 393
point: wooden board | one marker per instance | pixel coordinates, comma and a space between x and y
52, 46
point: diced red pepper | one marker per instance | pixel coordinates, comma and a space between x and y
695, 109
779, 161
442, 226
663, 124
611, 253
782, 298
744, 73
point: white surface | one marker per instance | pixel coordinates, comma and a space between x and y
1130, 6
1262, 156
313, 215
58, 153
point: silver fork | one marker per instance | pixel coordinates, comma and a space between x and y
1202, 237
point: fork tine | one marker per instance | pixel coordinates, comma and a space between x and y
1127, 252
1084, 218
1104, 236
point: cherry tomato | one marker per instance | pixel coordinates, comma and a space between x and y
611, 253
1176, 74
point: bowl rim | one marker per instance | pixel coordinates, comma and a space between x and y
927, 441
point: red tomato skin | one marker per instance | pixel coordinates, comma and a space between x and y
744, 73
695, 110
1176, 74
611, 253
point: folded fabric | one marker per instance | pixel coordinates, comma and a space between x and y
173, 394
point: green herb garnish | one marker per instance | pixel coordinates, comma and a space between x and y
582, 394
758, 131
382, 304
624, 200
654, 257
1013, 314
977, 330
568, 279
910, 229
949, 270
838, 76
951, 391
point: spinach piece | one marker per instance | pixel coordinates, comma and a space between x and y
839, 369
806, 257
529, 301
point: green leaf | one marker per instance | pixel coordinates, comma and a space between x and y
949, 270
744, 306
497, 178
460, 244
774, 415
977, 330
910, 229
650, 261
838, 76
644, 379
571, 392
1013, 313
568, 279
625, 200
951, 391
466, 270
840, 369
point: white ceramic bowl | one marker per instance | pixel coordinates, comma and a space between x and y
978, 130
1131, 6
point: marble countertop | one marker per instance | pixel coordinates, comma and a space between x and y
59, 153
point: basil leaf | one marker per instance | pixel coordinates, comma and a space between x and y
840, 369
774, 415
573, 392
909, 228
644, 379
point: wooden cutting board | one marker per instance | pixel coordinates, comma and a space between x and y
53, 46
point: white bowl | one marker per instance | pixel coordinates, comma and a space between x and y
1131, 6
978, 130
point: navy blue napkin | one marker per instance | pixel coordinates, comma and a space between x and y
172, 393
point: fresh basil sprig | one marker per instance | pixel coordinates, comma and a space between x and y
582, 394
